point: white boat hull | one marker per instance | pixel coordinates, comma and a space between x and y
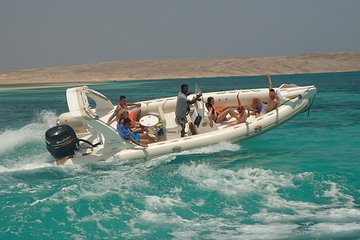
92, 122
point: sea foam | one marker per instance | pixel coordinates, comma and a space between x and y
30, 133
235, 182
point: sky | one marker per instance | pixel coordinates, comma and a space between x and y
46, 33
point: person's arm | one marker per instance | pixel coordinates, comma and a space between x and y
198, 96
113, 115
211, 113
137, 130
252, 110
137, 143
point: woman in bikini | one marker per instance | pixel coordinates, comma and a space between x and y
218, 115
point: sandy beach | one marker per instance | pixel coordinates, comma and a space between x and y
184, 68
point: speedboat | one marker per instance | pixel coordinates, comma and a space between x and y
82, 135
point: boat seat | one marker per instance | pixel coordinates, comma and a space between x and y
169, 126
204, 126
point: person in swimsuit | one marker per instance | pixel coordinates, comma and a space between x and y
218, 115
242, 116
134, 114
139, 139
124, 114
258, 107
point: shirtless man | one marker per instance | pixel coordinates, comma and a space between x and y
134, 114
273, 98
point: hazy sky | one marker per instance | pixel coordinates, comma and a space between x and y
42, 33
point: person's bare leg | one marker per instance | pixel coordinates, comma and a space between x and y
144, 141
144, 136
222, 115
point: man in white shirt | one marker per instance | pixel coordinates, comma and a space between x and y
182, 105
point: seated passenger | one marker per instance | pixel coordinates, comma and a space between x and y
242, 116
124, 114
218, 115
258, 107
134, 114
139, 139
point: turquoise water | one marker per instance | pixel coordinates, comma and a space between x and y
298, 181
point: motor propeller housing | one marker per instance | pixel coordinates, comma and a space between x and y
61, 141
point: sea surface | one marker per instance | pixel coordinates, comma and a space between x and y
300, 180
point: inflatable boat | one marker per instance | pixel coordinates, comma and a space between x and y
83, 135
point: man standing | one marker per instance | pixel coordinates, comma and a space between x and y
182, 105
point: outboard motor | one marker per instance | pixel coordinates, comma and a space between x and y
61, 141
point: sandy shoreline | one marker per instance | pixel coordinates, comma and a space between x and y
183, 68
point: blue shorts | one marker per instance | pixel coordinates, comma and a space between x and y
137, 137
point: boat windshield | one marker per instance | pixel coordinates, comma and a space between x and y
199, 105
